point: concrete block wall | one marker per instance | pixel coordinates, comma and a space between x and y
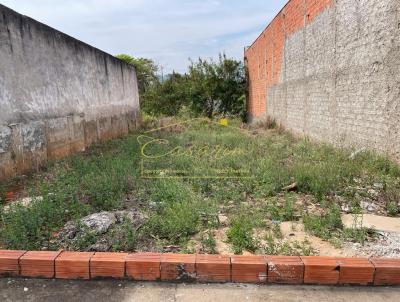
57, 95
330, 70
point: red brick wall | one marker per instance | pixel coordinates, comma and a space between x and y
314, 7
264, 57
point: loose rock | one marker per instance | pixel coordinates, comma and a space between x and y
99, 222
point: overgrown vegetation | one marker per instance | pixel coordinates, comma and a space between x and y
208, 88
107, 178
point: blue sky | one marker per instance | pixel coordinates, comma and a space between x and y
168, 31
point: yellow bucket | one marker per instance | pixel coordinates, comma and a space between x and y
223, 122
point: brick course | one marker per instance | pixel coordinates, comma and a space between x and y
356, 271
73, 265
108, 265
249, 269
387, 271
213, 268
144, 267
38, 264
285, 270
203, 268
321, 270
178, 267
9, 262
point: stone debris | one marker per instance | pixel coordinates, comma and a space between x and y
99, 222
25, 202
290, 188
387, 245
345, 208
223, 219
368, 206
355, 153
98, 225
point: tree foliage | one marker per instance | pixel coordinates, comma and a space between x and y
167, 97
208, 88
217, 87
146, 71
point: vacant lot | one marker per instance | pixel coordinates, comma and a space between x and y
289, 197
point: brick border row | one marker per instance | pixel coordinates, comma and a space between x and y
201, 268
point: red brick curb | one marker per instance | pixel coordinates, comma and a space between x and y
285, 270
249, 269
201, 268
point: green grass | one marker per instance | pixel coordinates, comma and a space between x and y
326, 225
285, 248
106, 176
208, 244
240, 234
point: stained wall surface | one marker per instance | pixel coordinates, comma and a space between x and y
57, 95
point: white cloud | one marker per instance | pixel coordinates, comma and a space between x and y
169, 31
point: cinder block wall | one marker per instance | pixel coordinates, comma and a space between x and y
57, 95
330, 70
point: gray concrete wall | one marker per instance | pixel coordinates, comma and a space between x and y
57, 95
340, 79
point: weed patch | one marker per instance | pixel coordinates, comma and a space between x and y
326, 225
107, 177
240, 234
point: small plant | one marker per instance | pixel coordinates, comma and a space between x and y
391, 192
31, 228
336, 242
288, 210
270, 248
304, 247
208, 244
240, 235
124, 237
274, 211
2, 196
276, 229
280, 213
325, 226
84, 238
190, 248
267, 123
392, 208
175, 222
275, 247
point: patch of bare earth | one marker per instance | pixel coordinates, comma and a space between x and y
294, 231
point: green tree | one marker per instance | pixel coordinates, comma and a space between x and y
168, 97
203, 86
217, 87
231, 86
146, 71
209, 87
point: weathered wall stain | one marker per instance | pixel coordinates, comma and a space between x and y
330, 70
57, 95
